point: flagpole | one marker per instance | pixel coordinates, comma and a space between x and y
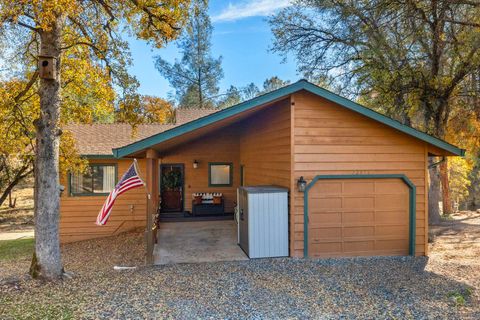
135, 163
137, 168
150, 242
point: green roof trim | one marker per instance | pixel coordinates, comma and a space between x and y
98, 156
275, 95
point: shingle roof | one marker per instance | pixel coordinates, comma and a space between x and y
184, 115
100, 139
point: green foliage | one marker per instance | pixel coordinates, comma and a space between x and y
94, 69
273, 83
232, 97
459, 298
415, 61
171, 180
236, 95
14, 249
196, 76
145, 109
446, 217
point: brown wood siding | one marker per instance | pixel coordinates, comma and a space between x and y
329, 139
78, 213
301, 136
265, 150
218, 146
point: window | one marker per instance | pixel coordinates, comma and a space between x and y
98, 179
220, 174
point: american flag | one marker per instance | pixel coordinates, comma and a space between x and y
129, 181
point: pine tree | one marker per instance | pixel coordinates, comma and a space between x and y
196, 76
273, 83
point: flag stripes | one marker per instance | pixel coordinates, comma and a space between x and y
129, 180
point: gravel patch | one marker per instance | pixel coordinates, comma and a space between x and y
355, 288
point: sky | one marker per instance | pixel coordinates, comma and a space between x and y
241, 35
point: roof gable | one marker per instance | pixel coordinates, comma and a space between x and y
275, 95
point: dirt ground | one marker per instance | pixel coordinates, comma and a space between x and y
455, 249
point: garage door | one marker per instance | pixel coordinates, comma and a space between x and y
358, 217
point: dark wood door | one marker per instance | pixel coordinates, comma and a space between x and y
171, 187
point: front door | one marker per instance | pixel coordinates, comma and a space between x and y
171, 187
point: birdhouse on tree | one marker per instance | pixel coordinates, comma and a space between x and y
46, 67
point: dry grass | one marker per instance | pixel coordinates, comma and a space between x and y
90, 263
20, 217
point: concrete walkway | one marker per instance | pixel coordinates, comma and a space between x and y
14, 235
193, 242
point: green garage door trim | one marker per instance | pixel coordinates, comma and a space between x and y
412, 202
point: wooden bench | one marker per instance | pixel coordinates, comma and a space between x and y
208, 209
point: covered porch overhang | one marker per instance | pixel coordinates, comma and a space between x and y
199, 141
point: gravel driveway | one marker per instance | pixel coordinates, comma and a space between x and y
358, 288
283, 288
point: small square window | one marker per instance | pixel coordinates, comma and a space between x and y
220, 174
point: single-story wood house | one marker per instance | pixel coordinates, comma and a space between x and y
366, 174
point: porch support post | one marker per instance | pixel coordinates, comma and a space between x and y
152, 203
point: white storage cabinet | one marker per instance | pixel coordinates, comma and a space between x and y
263, 221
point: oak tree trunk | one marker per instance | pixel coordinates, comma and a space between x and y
446, 198
434, 194
47, 260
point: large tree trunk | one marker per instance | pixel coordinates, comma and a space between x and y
446, 198
47, 260
439, 189
434, 194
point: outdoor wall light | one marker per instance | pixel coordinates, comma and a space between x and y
195, 164
301, 184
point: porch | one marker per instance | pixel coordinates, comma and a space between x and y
190, 172
200, 241
188, 217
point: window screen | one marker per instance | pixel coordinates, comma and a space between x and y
98, 179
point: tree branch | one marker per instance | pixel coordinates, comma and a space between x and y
28, 26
